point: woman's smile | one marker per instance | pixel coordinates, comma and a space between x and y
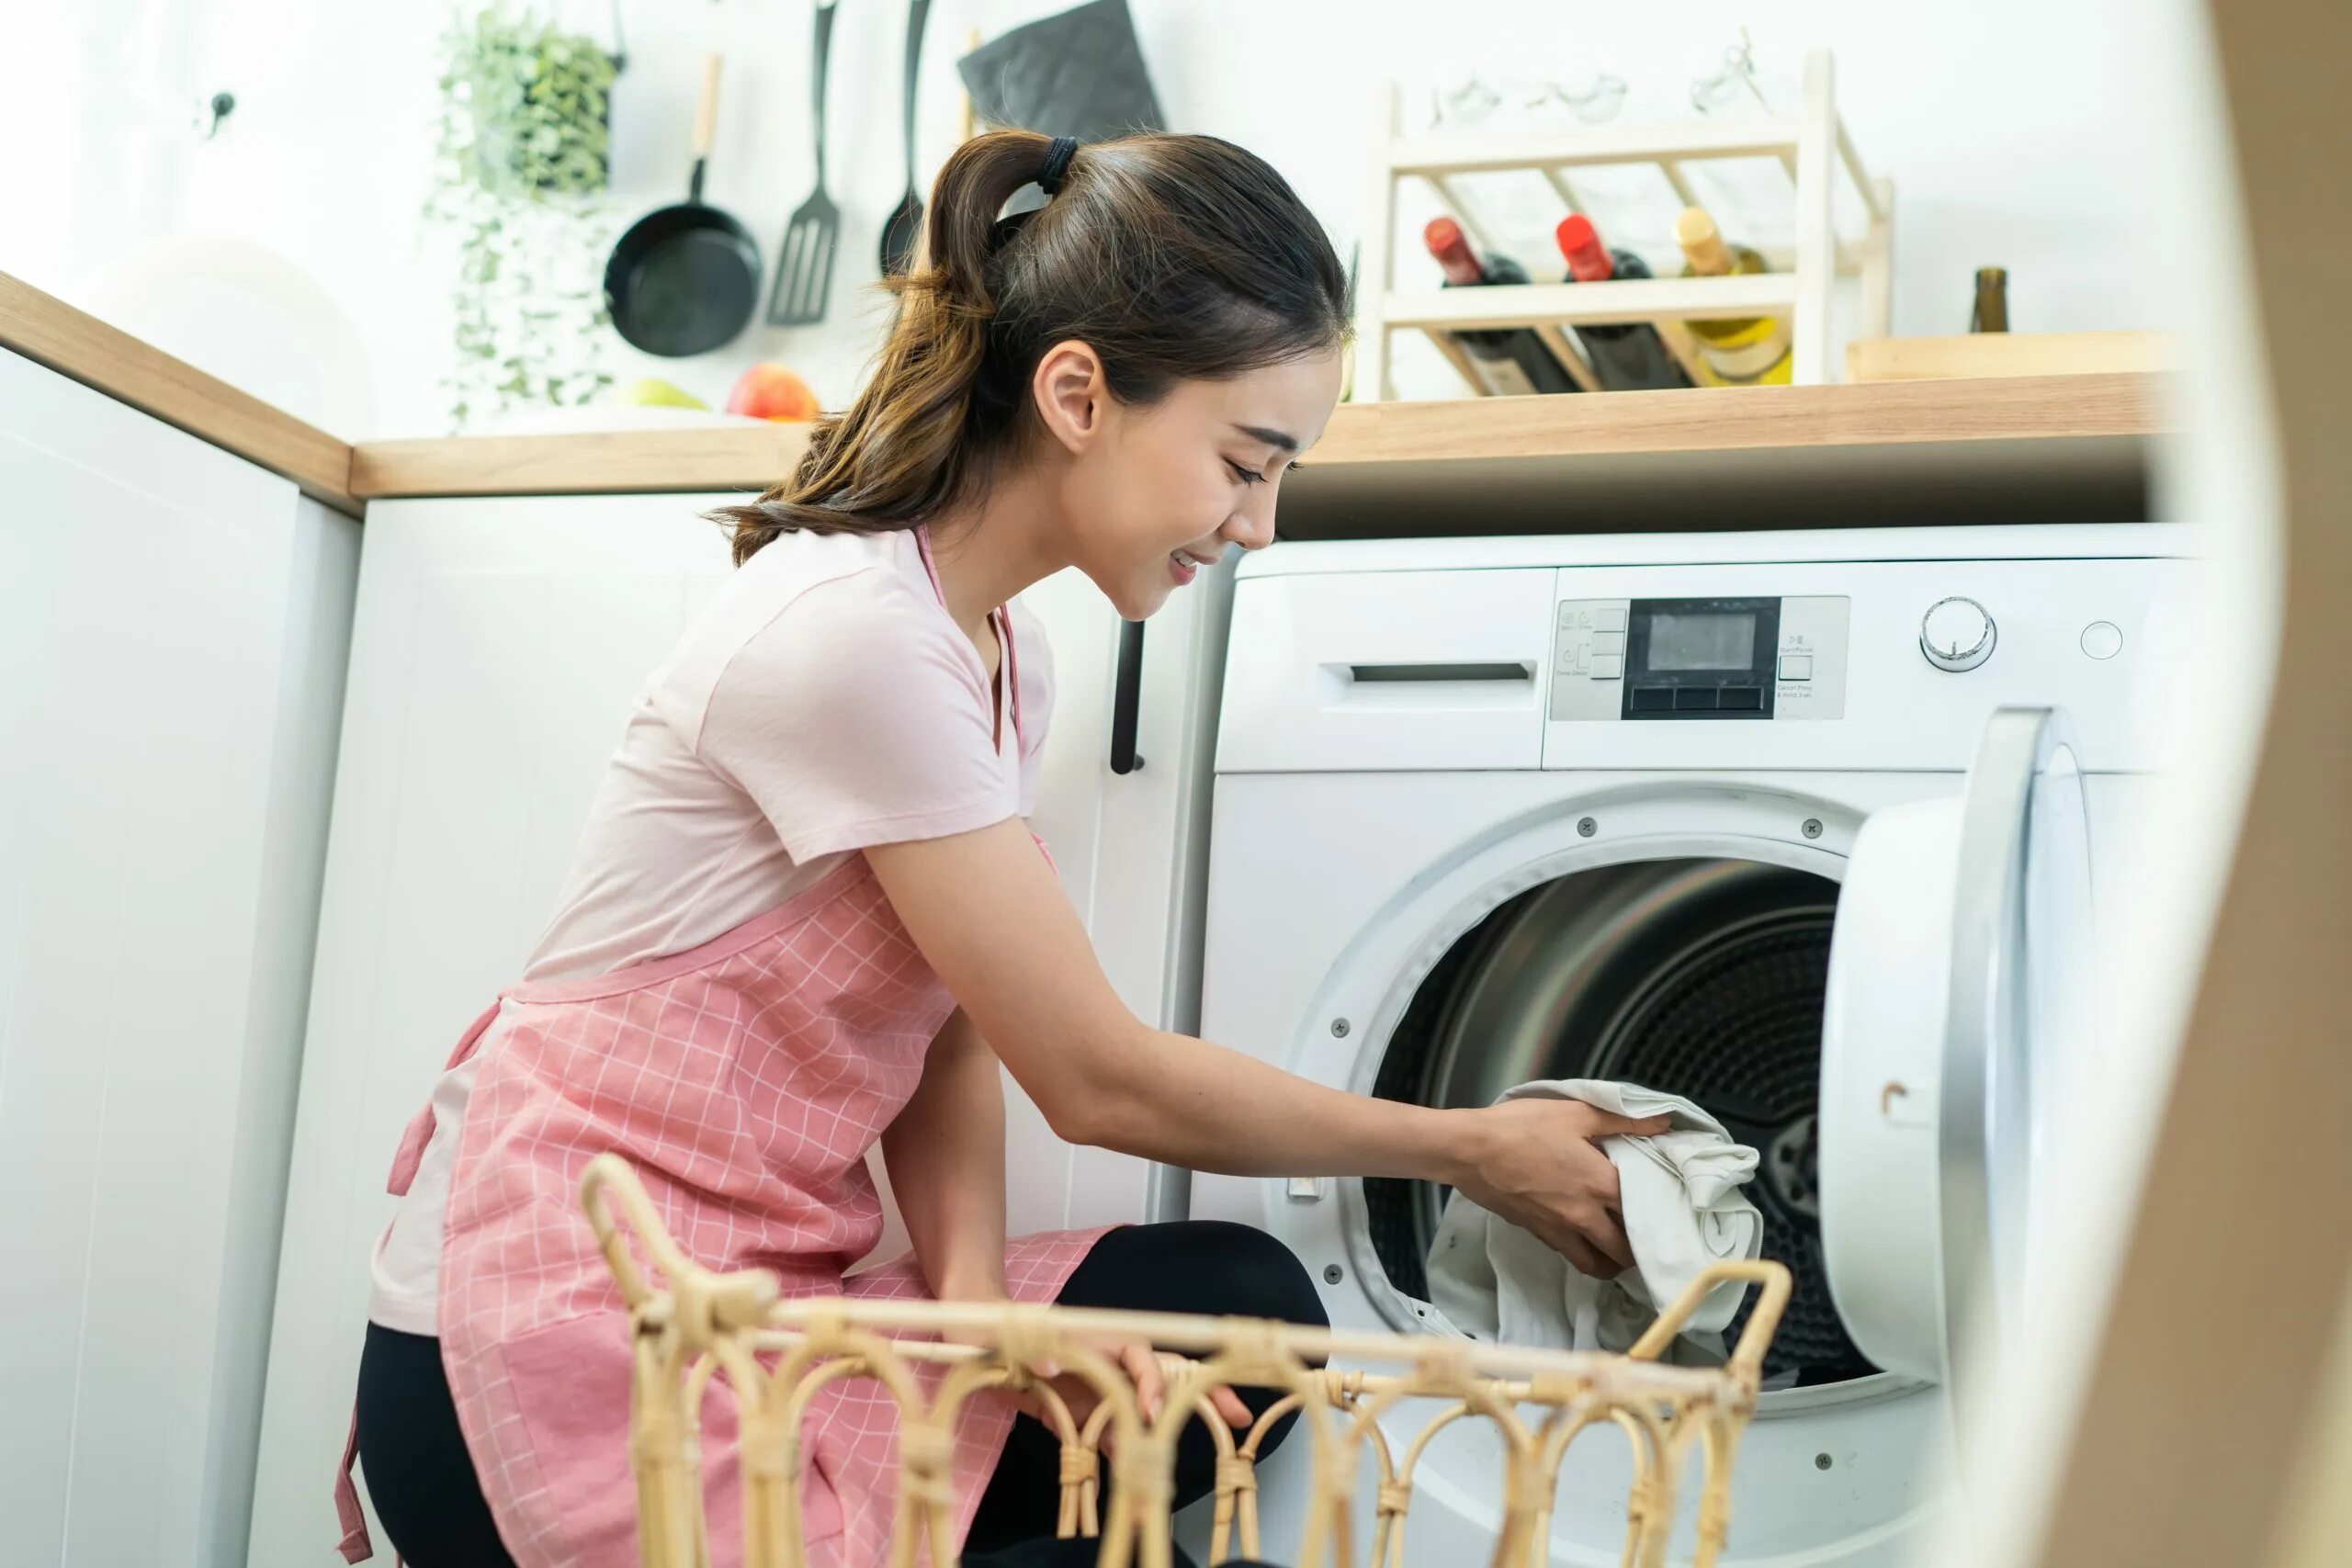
1183, 566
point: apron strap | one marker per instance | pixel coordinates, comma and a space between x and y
1002, 617
1011, 669
411, 1152
354, 1545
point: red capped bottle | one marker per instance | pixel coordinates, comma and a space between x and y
1627, 356
1508, 361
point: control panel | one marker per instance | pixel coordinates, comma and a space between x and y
1676, 661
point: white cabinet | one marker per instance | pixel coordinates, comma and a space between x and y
498, 647
173, 622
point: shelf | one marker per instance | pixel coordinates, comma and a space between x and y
1813, 145
1471, 151
1585, 304
2008, 353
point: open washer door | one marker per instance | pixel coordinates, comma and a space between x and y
1962, 926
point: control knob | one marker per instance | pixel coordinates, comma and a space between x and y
1957, 635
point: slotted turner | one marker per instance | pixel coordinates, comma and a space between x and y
804, 267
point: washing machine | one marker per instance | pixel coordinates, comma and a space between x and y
1805, 826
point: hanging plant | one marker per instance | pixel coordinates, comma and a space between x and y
523, 160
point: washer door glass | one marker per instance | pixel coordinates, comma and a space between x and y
1962, 927
1694, 974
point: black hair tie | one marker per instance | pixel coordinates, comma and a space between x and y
1057, 157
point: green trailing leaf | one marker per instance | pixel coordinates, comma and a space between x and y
522, 165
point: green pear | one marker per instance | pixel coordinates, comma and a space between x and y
651, 391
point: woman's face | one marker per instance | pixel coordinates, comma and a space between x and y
1156, 493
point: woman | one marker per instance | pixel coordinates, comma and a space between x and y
806, 914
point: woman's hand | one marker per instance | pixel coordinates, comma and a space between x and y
1147, 1373
1538, 1164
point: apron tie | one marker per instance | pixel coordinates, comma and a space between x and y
354, 1545
411, 1154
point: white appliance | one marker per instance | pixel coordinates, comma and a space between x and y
1802, 825
497, 645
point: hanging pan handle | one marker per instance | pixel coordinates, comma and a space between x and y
1126, 695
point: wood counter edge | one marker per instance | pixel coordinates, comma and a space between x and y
1747, 418
623, 462
1361, 436
82, 348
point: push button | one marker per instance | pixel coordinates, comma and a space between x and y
1796, 666
1608, 620
1608, 642
1747, 698
1608, 666
1693, 699
1652, 699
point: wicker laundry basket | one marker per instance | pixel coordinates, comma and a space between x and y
691, 1327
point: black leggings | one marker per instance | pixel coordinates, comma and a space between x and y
431, 1504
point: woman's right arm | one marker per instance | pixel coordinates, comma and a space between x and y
990, 916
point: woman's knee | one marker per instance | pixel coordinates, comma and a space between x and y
1263, 1272
1250, 1269
1213, 1267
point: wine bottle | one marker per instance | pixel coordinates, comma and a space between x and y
1628, 357
1744, 351
1991, 313
1508, 361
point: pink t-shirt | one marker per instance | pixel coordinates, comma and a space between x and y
823, 701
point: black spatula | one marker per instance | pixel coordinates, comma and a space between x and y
898, 233
804, 266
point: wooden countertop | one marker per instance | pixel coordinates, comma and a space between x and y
2053, 448
74, 344
2042, 447
2045, 448
748, 457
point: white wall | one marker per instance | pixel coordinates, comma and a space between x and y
2019, 133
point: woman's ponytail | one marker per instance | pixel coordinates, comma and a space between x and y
1172, 256
897, 454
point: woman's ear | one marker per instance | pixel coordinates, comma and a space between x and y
1071, 394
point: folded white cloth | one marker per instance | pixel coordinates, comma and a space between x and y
1678, 1193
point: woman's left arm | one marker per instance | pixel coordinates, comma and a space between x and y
946, 1155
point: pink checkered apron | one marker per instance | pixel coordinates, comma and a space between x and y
745, 1079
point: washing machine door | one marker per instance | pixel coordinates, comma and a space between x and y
1961, 928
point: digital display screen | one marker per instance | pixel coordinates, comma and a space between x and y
1701, 642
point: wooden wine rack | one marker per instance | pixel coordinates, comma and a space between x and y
1811, 145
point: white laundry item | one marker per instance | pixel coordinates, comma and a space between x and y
1678, 1193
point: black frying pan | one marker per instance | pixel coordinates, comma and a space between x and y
683, 279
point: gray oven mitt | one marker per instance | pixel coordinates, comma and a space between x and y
1077, 74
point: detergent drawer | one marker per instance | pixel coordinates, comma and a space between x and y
1386, 671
